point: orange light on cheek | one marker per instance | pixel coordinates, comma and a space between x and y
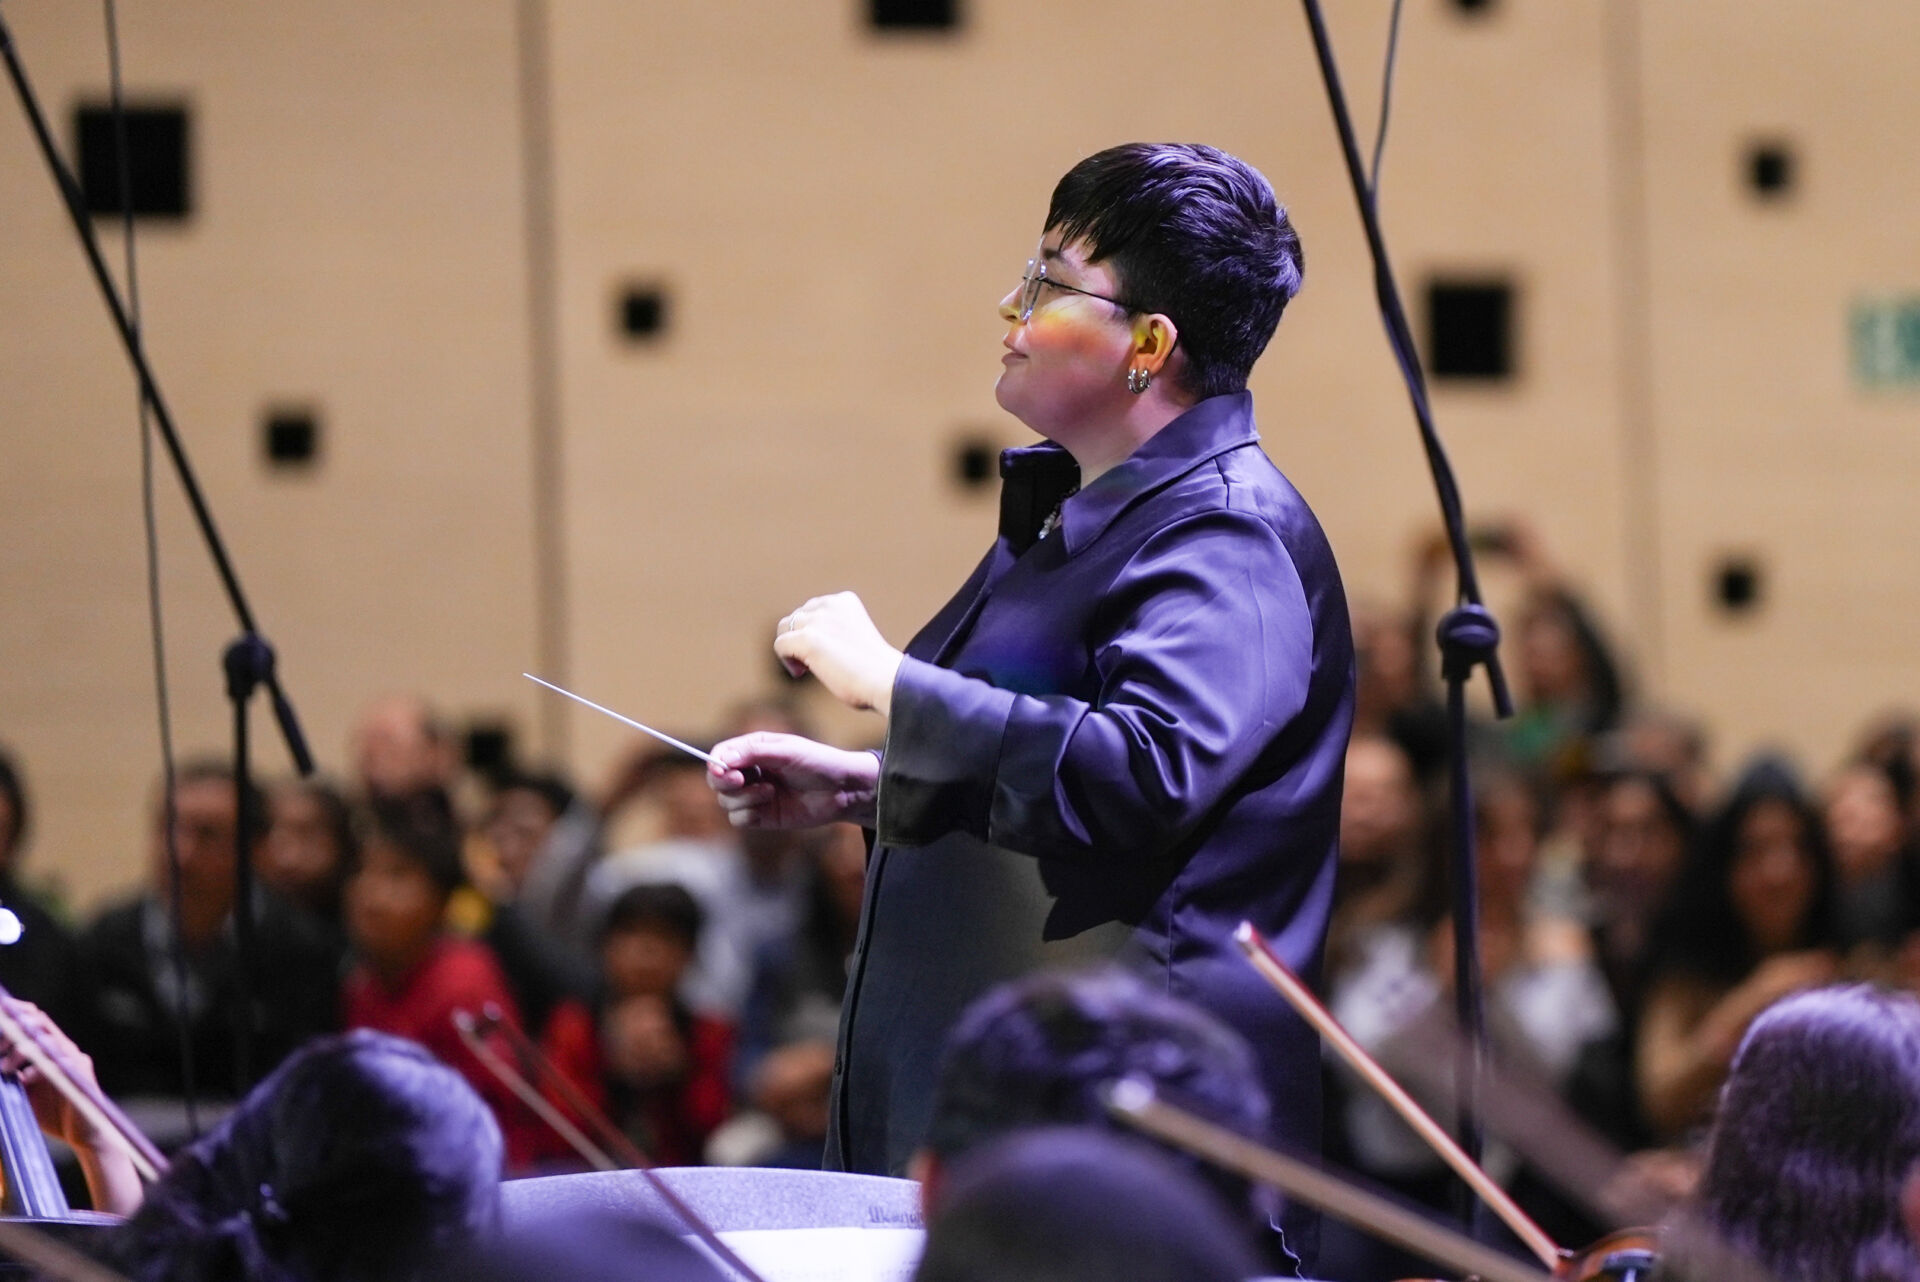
1063, 331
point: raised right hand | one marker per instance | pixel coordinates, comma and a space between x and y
801, 784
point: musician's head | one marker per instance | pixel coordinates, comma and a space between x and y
408, 866
1171, 258
357, 1158
1039, 1052
1818, 1128
1074, 1205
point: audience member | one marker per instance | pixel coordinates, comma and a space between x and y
309, 847
521, 820
1064, 1205
40, 962
358, 1160
1391, 700
1642, 835
136, 1001
1750, 921
400, 747
410, 976
662, 1068
1384, 842
1875, 886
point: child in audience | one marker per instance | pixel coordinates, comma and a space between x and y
661, 1068
410, 976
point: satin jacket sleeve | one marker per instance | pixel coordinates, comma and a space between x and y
1206, 652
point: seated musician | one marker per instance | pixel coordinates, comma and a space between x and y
1038, 1051
1818, 1128
359, 1158
1073, 1204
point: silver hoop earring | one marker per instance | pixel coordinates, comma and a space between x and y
1138, 380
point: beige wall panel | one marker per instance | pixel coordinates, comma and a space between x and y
357, 243
1767, 447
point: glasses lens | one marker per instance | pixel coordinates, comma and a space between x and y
1030, 286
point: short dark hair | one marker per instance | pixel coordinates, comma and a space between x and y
1074, 1205
548, 786
1039, 1050
217, 770
419, 826
360, 1157
662, 905
1193, 233
1819, 1125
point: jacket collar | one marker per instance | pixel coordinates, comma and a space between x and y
1038, 478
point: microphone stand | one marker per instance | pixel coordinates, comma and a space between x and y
250, 643
1468, 636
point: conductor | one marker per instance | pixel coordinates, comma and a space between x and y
1125, 733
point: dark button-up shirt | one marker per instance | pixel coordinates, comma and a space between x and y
1117, 740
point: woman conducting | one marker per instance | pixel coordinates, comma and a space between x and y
1125, 733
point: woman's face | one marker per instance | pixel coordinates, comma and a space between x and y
1864, 823
1772, 880
1551, 666
1638, 851
1066, 365
300, 857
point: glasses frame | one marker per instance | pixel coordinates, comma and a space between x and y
1036, 279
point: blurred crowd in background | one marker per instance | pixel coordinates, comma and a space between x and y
1638, 910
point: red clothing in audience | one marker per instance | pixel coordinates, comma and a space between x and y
671, 1123
458, 974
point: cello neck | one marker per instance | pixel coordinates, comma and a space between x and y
32, 1187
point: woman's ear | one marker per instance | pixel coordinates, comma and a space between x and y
1154, 338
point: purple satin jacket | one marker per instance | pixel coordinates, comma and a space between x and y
1117, 740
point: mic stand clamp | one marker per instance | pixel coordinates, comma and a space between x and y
249, 665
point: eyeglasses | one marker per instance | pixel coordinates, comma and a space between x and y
1037, 278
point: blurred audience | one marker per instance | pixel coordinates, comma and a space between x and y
1638, 920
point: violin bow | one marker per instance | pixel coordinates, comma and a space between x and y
612, 1139
1276, 972
474, 1035
102, 1113
473, 1032
1134, 1102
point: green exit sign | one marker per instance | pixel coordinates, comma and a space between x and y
1886, 342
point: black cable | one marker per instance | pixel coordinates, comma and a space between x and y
123, 157
1386, 100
